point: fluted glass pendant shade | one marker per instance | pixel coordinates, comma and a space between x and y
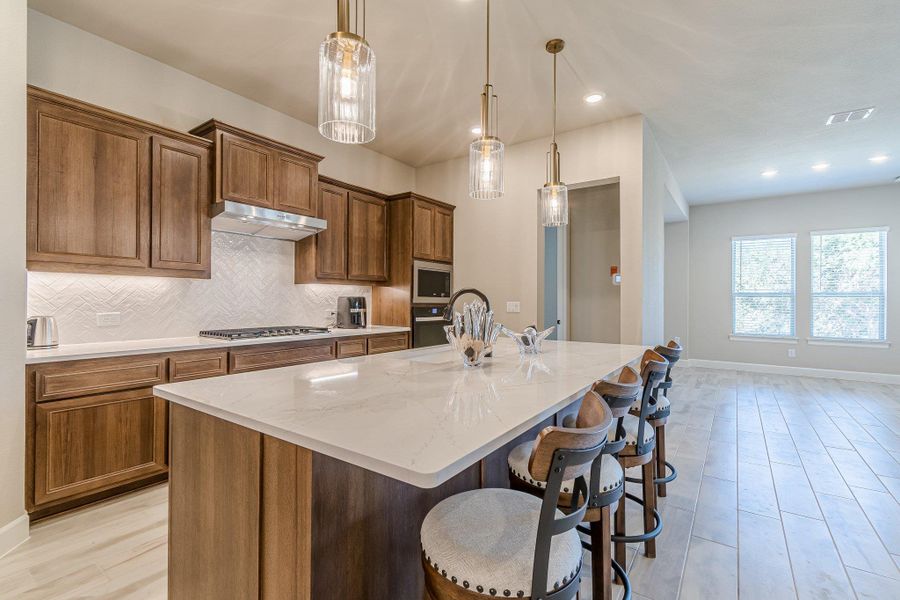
554, 205
486, 169
347, 83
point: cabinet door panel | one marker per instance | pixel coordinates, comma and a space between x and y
295, 185
180, 200
367, 243
331, 244
443, 235
84, 445
88, 188
423, 230
274, 356
388, 343
248, 171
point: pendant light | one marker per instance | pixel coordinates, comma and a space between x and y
486, 152
554, 195
347, 82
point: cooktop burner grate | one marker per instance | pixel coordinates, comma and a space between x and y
261, 332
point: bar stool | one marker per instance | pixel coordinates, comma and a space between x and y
605, 481
665, 471
508, 544
638, 452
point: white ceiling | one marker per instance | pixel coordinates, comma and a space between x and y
730, 88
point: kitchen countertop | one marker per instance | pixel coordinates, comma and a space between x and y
418, 415
132, 347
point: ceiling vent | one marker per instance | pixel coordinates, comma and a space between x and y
860, 114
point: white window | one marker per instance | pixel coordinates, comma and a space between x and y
763, 286
849, 284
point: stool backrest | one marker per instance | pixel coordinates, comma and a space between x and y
620, 391
561, 454
653, 370
672, 353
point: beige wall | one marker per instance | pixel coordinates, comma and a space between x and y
13, 522
677, 283
68, 60
497, 243
594, 305
711, 230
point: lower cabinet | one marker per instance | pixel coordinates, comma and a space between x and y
94, 428
85, 445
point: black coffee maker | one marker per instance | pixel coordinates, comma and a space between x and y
351, 312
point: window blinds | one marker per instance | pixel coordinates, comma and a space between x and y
849, 284
764, 286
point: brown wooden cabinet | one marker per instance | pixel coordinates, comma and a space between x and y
331, 244
108, 193
92, 443
254, 169
432, 230
367, 238
354, 247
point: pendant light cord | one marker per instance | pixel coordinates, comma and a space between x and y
554, 98
487, 71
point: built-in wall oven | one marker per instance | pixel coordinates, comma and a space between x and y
428, 326
432, 282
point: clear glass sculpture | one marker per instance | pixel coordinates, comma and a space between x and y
473, 333
530, 340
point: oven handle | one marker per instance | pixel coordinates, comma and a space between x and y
429, 319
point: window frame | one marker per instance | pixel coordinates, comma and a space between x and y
792, 336
872, 342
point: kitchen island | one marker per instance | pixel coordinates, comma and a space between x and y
312, 481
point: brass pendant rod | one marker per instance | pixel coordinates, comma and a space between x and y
554, 98
487, 70
343, 15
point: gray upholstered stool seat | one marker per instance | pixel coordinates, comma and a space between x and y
483, 540
611, 473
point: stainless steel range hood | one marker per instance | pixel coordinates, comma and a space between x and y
245, 219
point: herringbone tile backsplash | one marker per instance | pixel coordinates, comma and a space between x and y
252, 284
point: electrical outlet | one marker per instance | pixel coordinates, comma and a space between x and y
513, 307
109, 319
792, 353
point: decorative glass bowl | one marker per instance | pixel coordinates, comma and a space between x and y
530, 340
473, 333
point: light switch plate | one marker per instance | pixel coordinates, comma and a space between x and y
792, 353
109, 319
513, 307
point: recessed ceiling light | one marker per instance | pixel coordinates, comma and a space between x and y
594, 98
879, 158
476, 130
823, 166
769, 173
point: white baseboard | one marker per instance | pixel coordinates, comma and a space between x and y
13, 533
798, 371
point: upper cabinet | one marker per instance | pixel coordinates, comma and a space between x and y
367, 238
108, 193
256, 170
432, 230
354, 247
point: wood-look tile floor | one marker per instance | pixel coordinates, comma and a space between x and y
788, 488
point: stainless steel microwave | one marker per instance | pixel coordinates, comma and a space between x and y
432, 282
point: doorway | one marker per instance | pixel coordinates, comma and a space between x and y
580, 296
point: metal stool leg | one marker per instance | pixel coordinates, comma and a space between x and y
620, 530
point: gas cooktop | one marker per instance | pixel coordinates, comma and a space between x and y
261, 332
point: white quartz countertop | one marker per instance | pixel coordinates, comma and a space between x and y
418, 416
132, 347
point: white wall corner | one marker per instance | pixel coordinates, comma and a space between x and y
13, 534
888, 378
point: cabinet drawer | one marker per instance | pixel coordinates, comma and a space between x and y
81, 378
270, 357
195, 365
348, 348
388, 343
85, 445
